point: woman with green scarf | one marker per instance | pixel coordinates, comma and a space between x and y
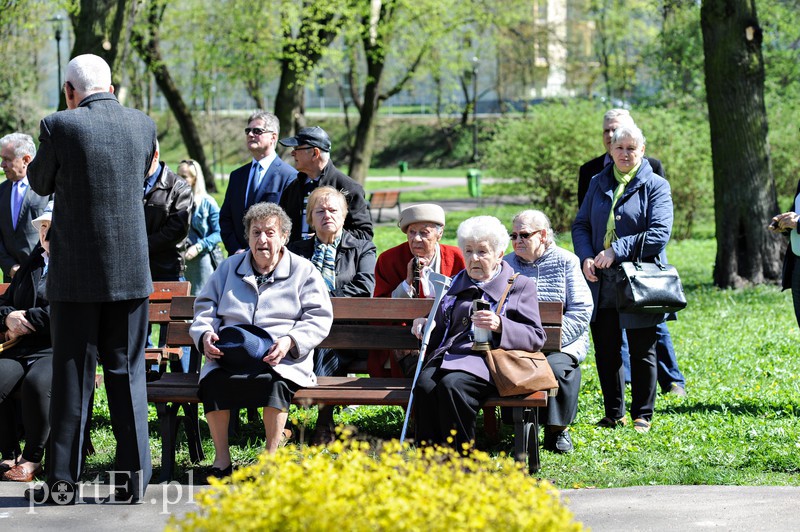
625, 202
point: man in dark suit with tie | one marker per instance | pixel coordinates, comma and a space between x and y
19, 205
263, 179
670, 378
94, 157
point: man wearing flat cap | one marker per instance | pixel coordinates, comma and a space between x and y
402, 271
311, 149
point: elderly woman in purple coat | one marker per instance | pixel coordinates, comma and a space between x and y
455, 381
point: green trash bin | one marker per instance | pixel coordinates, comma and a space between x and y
474, 182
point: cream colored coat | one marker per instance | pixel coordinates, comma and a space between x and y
294, 303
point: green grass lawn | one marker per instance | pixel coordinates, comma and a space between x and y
740, 424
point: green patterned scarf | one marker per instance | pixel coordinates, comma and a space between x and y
623, 180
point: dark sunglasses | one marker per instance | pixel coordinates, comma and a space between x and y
189, 161
255, 131
523, 236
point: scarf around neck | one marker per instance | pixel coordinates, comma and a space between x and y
622, 179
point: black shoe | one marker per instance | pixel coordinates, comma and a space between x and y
221, 473
558, 442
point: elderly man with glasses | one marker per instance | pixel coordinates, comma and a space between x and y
265, 178
311, 149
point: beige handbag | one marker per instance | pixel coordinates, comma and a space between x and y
516, 372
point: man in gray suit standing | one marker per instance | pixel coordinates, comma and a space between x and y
19, 205
95, 157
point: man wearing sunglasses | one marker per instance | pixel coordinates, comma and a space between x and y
311, 150
670, 378
262, 179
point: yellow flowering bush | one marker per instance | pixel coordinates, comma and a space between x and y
349, 485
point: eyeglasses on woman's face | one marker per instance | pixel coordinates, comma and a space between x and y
523, 236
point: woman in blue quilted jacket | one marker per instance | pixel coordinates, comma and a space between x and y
558, 277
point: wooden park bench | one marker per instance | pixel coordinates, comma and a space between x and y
384, 199
160, 302
359, 323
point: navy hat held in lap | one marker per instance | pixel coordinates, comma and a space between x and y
243, 347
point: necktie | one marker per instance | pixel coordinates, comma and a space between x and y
16, 202
255, 180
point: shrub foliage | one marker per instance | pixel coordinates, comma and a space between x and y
346, 486
540, 156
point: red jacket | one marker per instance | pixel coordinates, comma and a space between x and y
392, 266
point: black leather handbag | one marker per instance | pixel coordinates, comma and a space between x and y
648, 287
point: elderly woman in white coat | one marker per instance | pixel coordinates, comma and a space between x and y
279, 292
558, 277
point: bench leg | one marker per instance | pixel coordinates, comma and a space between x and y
526, 437
533, 441
191, 425
520, 433
490, 425
167, 417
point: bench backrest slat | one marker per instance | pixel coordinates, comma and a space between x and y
164, 291
361, 330
384, 199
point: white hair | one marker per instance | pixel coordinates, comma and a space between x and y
483, 228
630, 132
88, 73
623, 115
538, 220
22, 144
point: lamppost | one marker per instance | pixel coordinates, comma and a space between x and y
475, 62
57, 26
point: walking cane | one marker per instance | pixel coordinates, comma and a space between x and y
441, 283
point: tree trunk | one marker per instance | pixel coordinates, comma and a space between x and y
290, 98
102, 27
148, 47
365, 130
744, 189
300, 57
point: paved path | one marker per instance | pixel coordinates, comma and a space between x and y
682, 508
638, 508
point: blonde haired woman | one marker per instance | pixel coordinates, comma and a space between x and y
204, 235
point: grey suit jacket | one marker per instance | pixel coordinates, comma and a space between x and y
95, 158
16, 244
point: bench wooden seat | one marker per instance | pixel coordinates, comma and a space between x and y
359, 323
384, 199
